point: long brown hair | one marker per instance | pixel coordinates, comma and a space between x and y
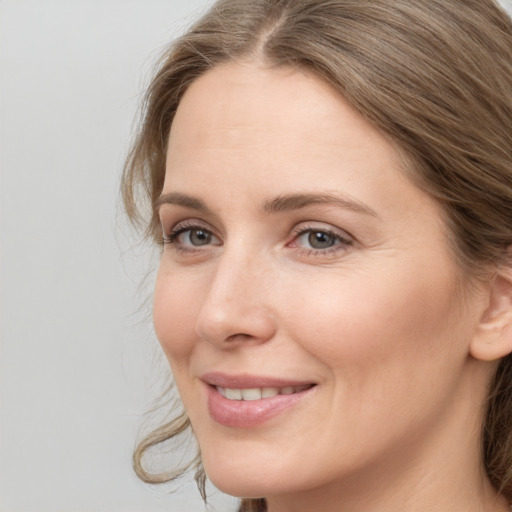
434, 75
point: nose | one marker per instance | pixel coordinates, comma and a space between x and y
237, 305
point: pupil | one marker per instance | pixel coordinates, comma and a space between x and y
200, 237
320, 240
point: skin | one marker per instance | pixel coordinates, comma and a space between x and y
377, 321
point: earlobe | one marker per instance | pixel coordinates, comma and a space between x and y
492, 339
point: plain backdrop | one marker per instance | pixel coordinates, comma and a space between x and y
77, 355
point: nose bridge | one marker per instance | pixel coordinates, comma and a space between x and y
237, 305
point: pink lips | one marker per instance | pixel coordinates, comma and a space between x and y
250, 413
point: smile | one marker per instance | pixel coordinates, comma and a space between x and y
260, 393
244, 401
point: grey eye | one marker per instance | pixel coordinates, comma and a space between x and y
320, 239
199, 237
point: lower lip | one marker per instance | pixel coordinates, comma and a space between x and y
249, 413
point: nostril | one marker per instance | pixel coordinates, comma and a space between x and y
239, 337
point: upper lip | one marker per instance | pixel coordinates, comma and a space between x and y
246, 381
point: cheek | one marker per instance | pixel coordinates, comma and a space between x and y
367, 325
175, 305
391, 349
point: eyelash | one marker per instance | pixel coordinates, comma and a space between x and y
341, 242
181, 228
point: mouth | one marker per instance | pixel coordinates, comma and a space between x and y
248, 401
260, 393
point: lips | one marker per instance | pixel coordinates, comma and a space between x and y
244, 401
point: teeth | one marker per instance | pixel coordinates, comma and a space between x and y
251, 394
259, 393
233, 394
269, 392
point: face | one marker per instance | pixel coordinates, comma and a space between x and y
307, 299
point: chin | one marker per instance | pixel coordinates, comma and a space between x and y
246, 476
240, 487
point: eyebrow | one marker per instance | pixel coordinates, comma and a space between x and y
298, 201
181, 200
280, 203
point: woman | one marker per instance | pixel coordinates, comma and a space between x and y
332, 183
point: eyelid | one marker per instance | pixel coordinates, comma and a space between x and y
169, 236
185, 224
343, 241
327, 228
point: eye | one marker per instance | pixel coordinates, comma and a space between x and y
195, 237
185, 236
320, 240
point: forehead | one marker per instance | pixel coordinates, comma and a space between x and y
270, 121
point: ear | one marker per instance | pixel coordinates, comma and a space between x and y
492, 339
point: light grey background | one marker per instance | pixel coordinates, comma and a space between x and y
77, 358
